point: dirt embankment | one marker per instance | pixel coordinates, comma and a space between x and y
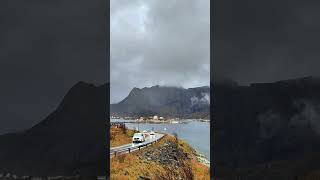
169, 159
120, 136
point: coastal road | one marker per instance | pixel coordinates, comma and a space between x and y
134, 146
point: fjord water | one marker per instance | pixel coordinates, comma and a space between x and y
195, 133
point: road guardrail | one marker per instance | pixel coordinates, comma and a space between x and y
134, 148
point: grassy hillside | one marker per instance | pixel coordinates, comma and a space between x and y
119, 136
300, 168
168, 159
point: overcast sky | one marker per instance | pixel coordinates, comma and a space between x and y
158, 43
266, 41
45, 48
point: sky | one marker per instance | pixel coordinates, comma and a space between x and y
266, 41
45, 48
48, 46
158, 42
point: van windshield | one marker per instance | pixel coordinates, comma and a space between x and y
137, 135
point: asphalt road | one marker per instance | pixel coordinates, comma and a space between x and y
125, 147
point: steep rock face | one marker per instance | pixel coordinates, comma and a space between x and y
165, 101
71, 140
265, 122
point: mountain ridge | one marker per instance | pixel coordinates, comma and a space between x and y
168, 101
264, 123
70, 140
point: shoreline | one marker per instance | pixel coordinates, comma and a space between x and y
202, 158
184, 121
164, 158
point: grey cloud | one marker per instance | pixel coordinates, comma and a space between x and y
45, 48
204, 99
271, 123
159, 43
265, 41
308, 116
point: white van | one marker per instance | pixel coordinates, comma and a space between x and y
138, 138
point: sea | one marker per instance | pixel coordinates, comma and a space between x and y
195, 132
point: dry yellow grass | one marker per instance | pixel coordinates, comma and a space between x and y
314, 175
119, 136
200, 171
130, 166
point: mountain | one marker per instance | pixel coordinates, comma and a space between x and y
273, 124
165, 101
71, 140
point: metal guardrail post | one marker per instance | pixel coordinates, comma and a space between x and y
146, 145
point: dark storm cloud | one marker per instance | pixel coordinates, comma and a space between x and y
45, 48
264, 41
159, 43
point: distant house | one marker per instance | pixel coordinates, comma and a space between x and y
155, 118
161, 118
